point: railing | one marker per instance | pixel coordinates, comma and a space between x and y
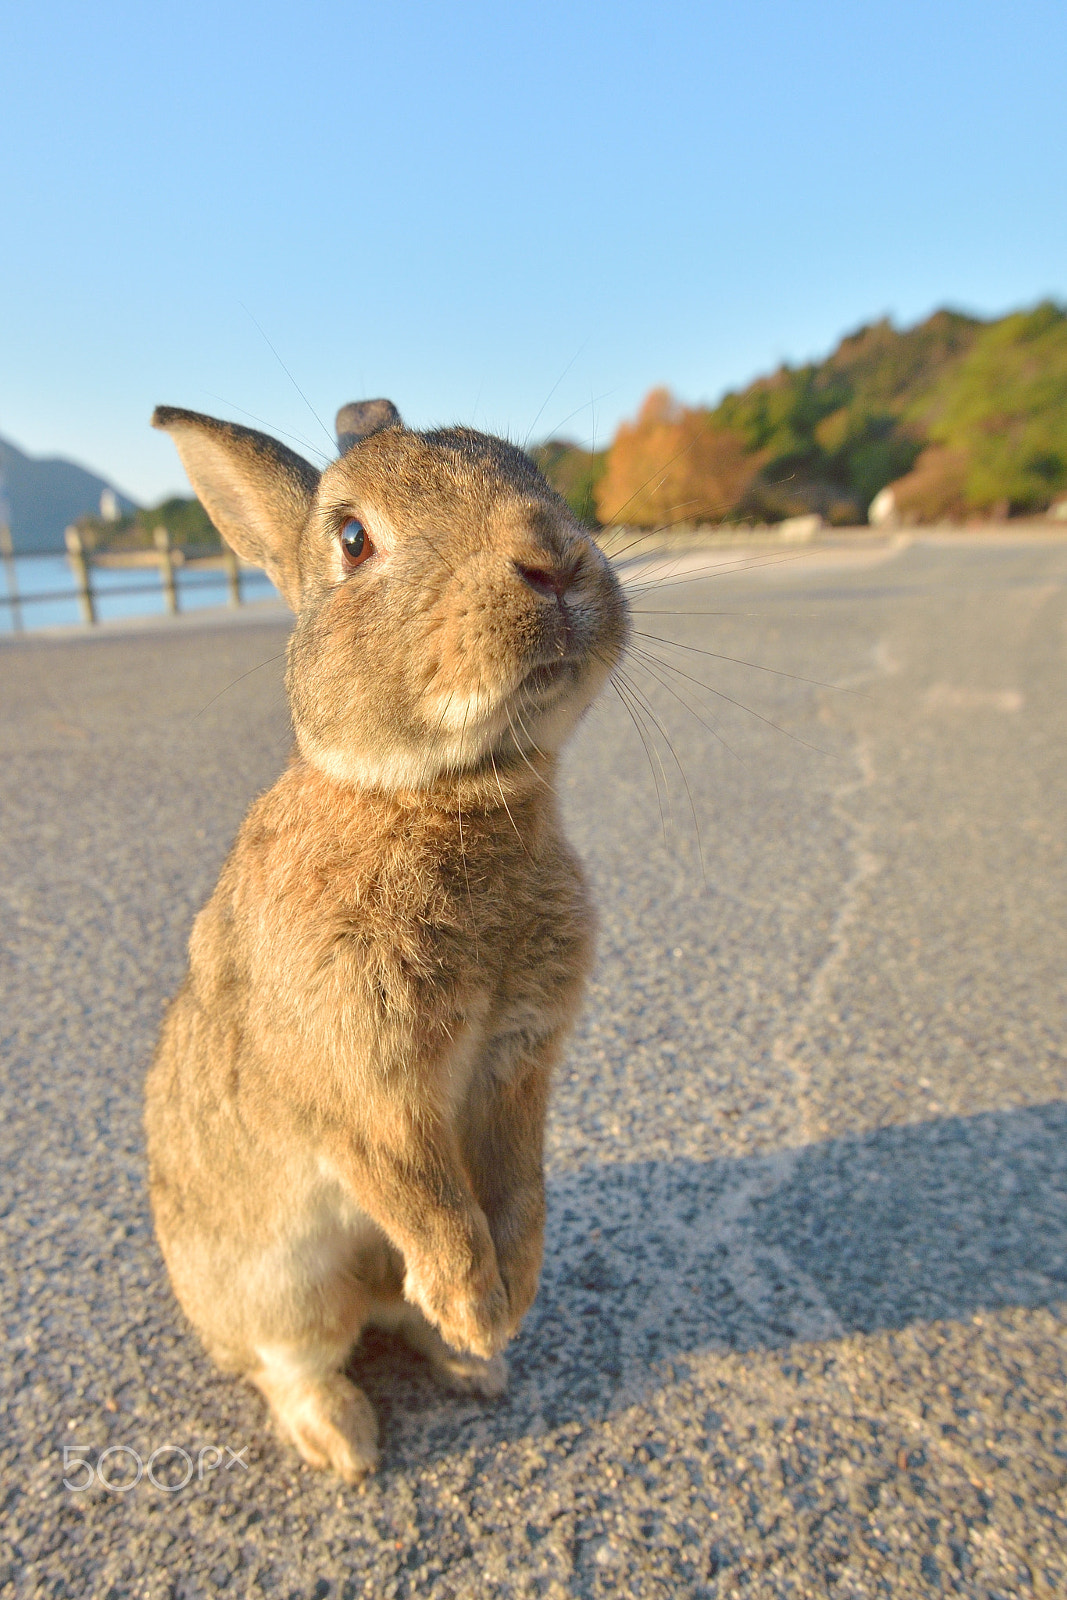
164, 560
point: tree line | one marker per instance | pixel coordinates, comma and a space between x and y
962, 417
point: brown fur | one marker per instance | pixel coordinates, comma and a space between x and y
345, 1112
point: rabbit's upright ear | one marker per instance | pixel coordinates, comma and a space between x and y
360, 418
257, 492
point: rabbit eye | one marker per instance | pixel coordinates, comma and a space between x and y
355, 545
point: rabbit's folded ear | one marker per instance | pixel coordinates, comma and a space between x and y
257, 492
360, 418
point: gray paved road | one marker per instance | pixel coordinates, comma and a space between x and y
800, 1331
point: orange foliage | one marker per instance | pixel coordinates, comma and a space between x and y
935, 490
673, 465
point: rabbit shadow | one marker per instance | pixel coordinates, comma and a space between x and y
649, 1264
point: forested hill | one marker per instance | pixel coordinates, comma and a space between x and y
45, 494
963, 417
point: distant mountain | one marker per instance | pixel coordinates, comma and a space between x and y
45, 494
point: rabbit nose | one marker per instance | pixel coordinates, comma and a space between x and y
547, 581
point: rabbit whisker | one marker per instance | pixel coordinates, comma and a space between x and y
507, 808
641, 701
445, 563
292, 380
650, 712
463, 856
623, 696
463, 859
719, 561
563, 423
715, 655
519, 750
295, 437
645, 663
720, 568
641, 534
638, 611
533, 743
444, 712
241, 677
552, 391
671, 666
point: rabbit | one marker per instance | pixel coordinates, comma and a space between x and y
345, 1110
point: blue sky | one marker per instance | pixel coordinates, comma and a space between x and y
522, 216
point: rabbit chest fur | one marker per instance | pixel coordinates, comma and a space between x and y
411, 976
345, 1112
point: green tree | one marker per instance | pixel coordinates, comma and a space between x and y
184, 518
1005, 409
574, 474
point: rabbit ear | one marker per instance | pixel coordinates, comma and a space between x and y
360, 418
257, 492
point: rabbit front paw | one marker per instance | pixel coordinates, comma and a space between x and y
471, 1315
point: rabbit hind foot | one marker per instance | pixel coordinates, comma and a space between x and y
457, 1370
318, 1409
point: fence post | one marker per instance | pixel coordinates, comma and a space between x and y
166, 570
7, 550
233, 574
79, 566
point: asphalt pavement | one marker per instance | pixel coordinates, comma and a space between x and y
800, 1330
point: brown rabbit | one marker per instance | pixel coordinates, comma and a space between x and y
345, 1111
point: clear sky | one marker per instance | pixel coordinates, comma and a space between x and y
522, 216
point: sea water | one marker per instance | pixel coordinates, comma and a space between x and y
48, 598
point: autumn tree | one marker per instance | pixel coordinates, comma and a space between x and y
935, 490
673, 465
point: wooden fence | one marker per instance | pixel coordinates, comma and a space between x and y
163, 560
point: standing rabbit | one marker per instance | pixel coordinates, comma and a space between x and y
346, 1108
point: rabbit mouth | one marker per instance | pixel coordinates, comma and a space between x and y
548, 679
